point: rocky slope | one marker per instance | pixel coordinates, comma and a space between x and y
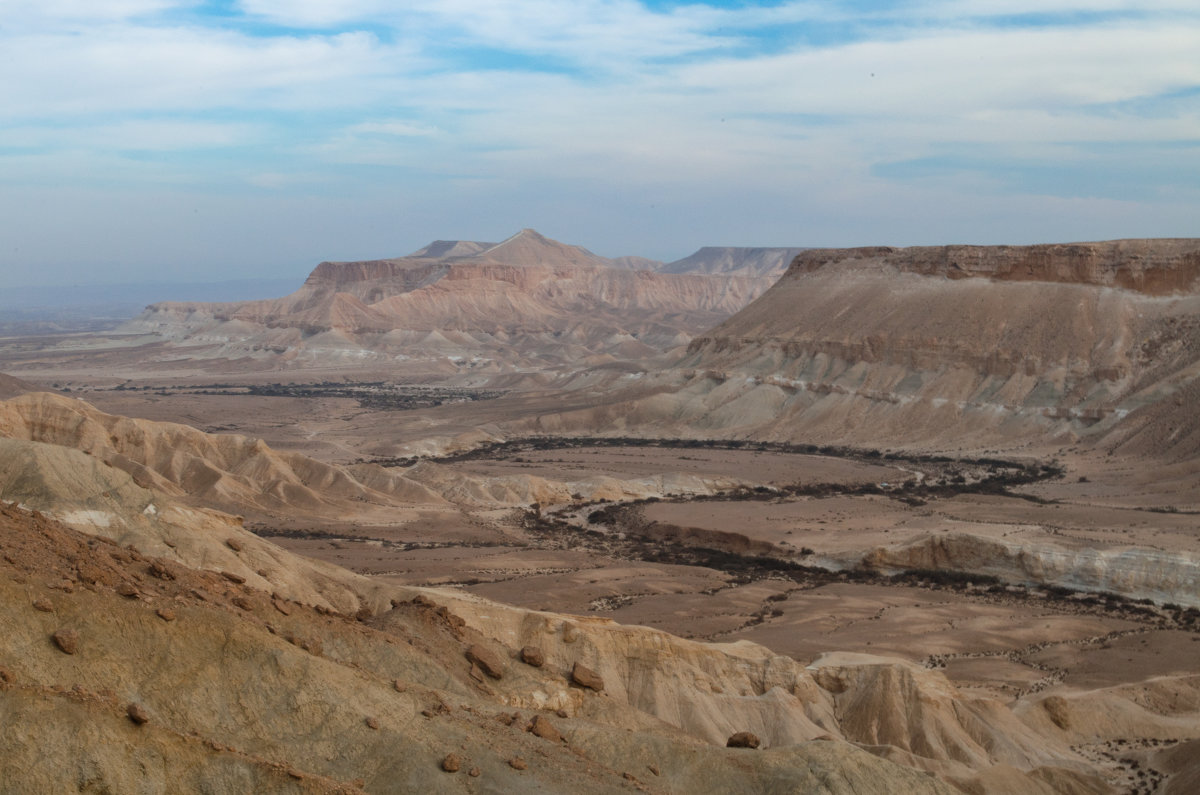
951, 347
252, 690
487, 307
229, 472
12, 387
271, 671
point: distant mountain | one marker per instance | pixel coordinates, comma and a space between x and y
526, 299
734, 260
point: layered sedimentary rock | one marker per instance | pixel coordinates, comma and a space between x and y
950, 347
523, 300
1132, 571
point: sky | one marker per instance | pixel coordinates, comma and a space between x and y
208, 140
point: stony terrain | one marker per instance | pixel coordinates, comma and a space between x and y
933, 506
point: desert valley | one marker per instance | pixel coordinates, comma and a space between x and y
504, 517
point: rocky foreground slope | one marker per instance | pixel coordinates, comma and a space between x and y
488, 307
168, 647
125, 670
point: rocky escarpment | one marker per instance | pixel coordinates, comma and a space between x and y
883, 347
1131, 571
1153, 267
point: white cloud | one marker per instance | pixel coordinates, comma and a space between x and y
391, 127
615, 100
134, 135
122, 68
21, 13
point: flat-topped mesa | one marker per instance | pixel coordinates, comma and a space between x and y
402, 271
526, 249
1154, 267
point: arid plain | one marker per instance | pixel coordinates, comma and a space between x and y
956, 487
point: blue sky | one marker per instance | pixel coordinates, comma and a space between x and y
184, 140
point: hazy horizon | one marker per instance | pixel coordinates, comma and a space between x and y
204, 141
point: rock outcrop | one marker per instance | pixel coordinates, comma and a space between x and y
1131, 571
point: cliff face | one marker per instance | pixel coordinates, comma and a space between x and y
954, 344
1152, 267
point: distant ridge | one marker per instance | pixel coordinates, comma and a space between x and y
468, 304
735, 260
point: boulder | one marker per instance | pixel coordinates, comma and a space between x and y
488, 661
586, 677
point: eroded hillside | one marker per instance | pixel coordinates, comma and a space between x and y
491, 307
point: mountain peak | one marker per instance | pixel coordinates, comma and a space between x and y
529, 247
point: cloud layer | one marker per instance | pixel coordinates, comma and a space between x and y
311, 129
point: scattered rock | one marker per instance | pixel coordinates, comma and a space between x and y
237, 578
138, 714
743, 740
243, 603
400, 686
562, 713
161, 569
629, 776
372, 723
517, 763
452, 763
7, 677
441, 708
165, 613
313, 646
570, 633
532, 655
654, 769
586, 677
364, 613
128, 590
44, 605
281, 605
67, 640
541, 727
473, 772
89, 573
234, 544
487, 660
